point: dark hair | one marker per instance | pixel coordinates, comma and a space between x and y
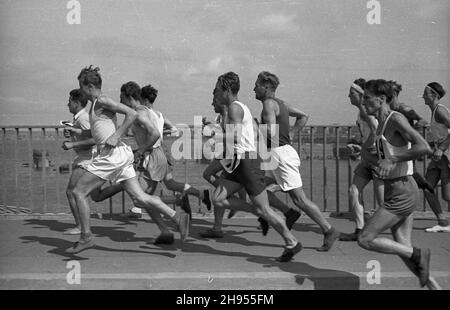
229, 81
395, 87
437, 88
379, 87
90, 75
360, 82
131, 89
149, 92
78, 95
270, 79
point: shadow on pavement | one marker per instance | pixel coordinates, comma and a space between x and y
322, 279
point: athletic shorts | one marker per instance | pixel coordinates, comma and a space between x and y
401, 195
365, 170
113, 164
249, 174
284, 166
441, 168
81, 161
155, 166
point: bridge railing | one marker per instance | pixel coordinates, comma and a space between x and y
35, 171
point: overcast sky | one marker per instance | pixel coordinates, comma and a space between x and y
317, 48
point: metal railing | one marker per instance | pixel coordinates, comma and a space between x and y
35, 170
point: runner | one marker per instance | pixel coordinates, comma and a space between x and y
283, 164
364, 172
243, 166
81, 142
439, 168
113, 161
416, 121
397, 144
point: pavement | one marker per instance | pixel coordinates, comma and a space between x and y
32, 256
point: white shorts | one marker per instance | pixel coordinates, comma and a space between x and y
113, 164
284, 167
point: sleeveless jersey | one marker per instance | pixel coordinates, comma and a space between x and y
385, 150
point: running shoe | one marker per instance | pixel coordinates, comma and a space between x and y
288, 253
438, 228
207, 199
291, 217
135, 213
264, 226
328, 239
164, 239
81, 246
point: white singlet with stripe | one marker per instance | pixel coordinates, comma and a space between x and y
438, 131
385, 150
103, 126
246, 143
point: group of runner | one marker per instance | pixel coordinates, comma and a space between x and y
249, 166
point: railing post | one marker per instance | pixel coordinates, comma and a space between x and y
349, 129
337, 171
16, 171
30, 149
44, 171
3, 166
324, 162
311, 144
57, 170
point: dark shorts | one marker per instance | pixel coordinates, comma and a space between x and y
440, 168
154, 166
401, 195
250, 175
365, 170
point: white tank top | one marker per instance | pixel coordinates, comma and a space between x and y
246, 143
438, 131
102, 126
158, 120
385, 150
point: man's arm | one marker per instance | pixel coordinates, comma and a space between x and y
152, 132
234, 117
268, 118
78, 144
301, 118
442, 116
130, 115
419, 146
169, 128
412, 115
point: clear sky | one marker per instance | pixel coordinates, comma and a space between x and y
316, 47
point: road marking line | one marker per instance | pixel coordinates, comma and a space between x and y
203, 275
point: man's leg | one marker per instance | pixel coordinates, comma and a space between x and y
369, 238
77, 172
149, 187
179, 187
291, 215
99, 194
292, 246
86, 183
355, 192
312, 210
221, 200
433, 175
148, 202
402, 234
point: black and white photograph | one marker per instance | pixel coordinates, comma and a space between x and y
224, 151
